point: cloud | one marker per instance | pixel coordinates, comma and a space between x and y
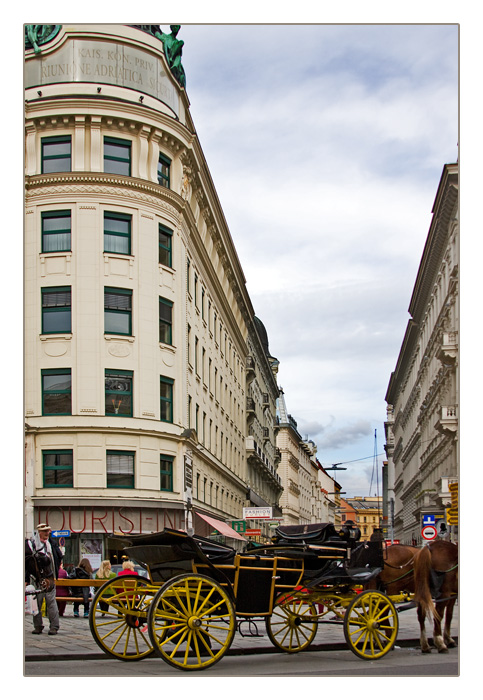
326, 144
328, 438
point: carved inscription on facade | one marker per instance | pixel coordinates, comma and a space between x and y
103, 62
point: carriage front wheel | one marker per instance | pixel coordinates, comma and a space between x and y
371, 625
293, 624
191, 622
118, 617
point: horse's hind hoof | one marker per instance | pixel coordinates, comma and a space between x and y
443, 651
426, 651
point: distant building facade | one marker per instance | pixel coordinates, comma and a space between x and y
368, 513
422, 426
264, 485
309, 493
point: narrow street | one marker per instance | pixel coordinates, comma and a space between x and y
405, 662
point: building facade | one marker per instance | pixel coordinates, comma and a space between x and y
309, 494
138, 324
264, 485
368, 514
422, 426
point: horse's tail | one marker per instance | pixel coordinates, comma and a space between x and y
422, 574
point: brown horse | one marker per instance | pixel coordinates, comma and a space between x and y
436, 576
397, 575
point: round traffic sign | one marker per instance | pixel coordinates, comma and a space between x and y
429, 532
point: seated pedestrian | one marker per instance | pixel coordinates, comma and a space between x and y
128, 568
62, 591
84, 570
104, 572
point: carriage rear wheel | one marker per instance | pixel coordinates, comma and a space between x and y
290, 628
118, 617
191, 622
371, 625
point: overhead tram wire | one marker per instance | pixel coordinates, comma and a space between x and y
361, 459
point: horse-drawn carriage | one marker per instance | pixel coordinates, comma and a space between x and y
199, 593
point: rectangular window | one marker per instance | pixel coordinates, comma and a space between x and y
56, 392
56, 154
166, 473
56, 309
164, 166
117, 311
56, 231
58, 468
117, 233
166, 394
120, 469
165, 245
165, 321
117, 156
118, 392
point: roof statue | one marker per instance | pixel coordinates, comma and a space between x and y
38, 34
173, 47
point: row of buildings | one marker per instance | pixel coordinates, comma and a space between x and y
422, 427
151, 395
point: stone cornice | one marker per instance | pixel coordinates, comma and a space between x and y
89, 183
446, 200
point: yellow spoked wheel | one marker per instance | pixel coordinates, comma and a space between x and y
290, 627
118, 617
191, 622
371, 625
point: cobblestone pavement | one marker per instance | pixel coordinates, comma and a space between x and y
74, 639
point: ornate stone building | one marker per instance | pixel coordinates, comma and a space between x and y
138, 324
309, 493
264, 485
422, 426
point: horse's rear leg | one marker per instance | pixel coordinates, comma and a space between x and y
423, 640
438, 639
450, 642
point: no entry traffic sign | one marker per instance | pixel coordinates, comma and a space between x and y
429, 532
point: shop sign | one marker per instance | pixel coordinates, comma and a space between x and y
119, 519
257, 513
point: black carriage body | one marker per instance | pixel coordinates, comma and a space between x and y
301, 557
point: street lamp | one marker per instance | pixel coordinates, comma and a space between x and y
336, 468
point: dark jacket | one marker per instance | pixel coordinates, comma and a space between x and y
83, 591
56, 554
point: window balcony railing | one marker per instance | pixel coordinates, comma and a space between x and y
448, 423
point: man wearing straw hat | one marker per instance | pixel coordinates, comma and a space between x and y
39, 542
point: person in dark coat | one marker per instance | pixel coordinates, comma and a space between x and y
84, 570
62, 591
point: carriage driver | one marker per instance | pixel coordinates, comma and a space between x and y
39, 542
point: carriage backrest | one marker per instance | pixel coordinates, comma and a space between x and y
170, 552
314, 533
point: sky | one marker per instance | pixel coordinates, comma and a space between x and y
326, 144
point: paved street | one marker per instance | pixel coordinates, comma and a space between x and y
407, 661
247, 655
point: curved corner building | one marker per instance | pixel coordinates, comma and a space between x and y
136, 311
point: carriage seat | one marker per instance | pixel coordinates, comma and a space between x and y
344, 574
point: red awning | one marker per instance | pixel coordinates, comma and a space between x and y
222, 527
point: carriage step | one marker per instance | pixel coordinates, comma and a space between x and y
252, 629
